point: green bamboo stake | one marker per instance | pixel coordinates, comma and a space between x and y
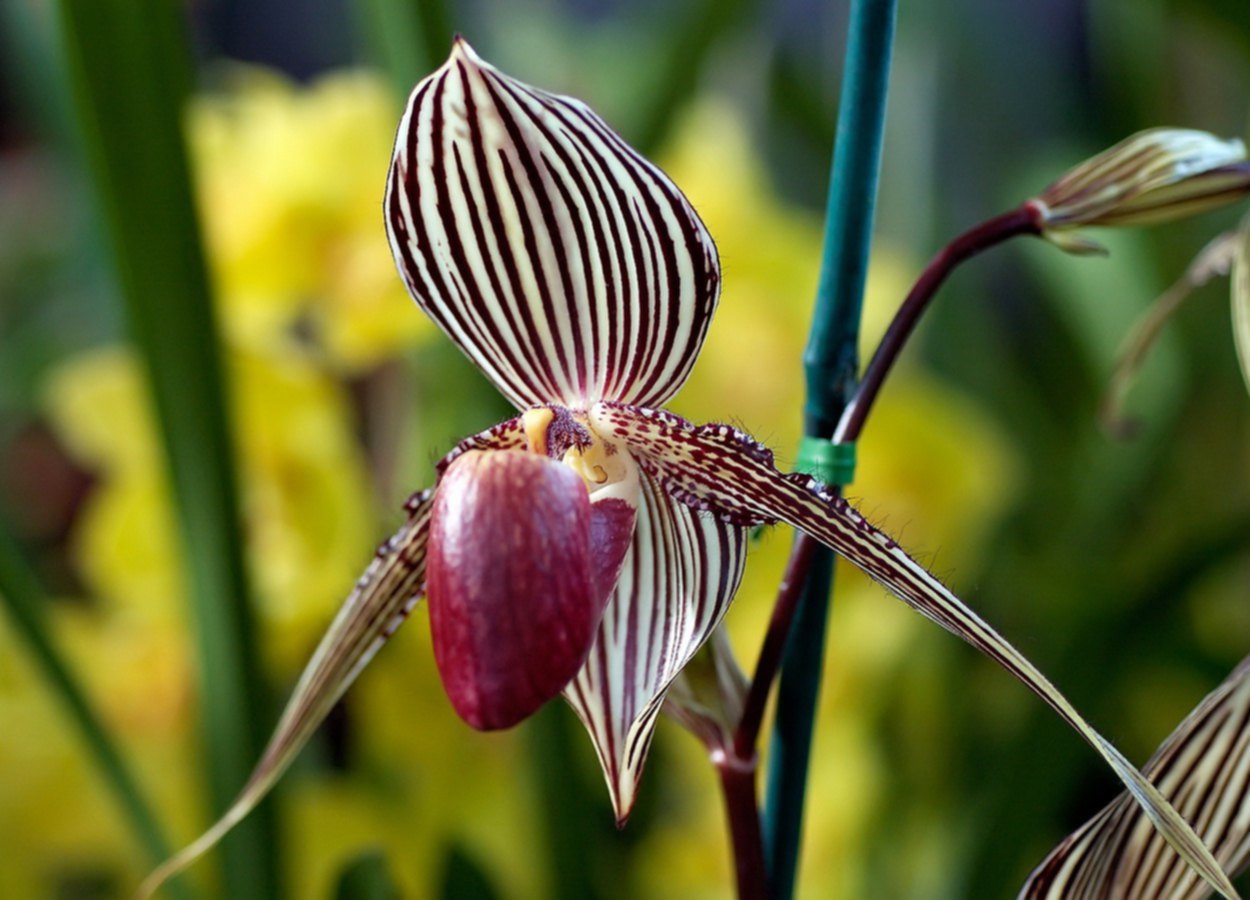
129, 72
831, 365
22, 597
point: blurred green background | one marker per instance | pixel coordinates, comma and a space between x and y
1120, 567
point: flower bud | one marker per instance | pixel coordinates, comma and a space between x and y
706, 698
1158, 175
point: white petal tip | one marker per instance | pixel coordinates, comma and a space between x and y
461, 49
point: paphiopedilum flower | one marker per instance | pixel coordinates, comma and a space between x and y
590, 545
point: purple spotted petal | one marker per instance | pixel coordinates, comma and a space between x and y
674, 587
1204, 766
720, 469
566, 266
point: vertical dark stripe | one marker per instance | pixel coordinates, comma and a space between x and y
488, 330
572, 369
529, 364
581, 200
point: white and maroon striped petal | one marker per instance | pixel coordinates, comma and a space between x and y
1204, 766
676, 583
566, 266
719, 469
382, 599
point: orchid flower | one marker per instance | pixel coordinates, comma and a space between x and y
590, 545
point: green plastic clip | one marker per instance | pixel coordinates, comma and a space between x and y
834, 464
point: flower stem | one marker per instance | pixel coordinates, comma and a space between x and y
807, 574
737, 778
830, 364
1021, 220
771, 653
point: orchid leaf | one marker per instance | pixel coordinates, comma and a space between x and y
367, 877
21, 596
1204, 765
464, 878
406, 38
129, 70
721, 470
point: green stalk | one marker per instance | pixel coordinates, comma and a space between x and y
831, 364
406, 38
129, 72
565, 806
21, 595
680, 60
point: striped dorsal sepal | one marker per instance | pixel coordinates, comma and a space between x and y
721, 470
564, 264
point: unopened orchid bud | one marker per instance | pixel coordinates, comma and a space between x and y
707, 697
1158, 175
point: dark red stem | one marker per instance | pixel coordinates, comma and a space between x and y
737, 779
1021, 220
774, 649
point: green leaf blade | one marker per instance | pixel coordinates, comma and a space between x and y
128, 68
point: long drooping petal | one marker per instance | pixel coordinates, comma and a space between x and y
565, 265
519, 575
381, 601
676, 583
722, 470
1204, 765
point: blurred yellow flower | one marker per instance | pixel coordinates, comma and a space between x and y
289, 181
58, 820
307, 497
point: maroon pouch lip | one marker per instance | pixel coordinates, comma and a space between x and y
519, 571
